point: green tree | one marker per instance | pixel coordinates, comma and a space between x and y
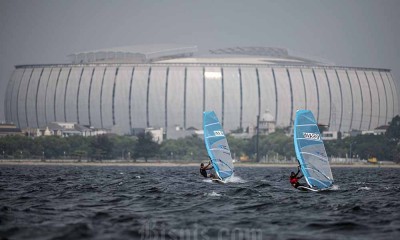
124, 146
188, 148
52, 146
237, 146
101, 147
145, 147
393, 132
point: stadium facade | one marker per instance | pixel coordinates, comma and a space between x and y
169, 86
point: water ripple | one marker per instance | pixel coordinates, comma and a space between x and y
78, 202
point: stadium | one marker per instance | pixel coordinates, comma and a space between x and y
169, 86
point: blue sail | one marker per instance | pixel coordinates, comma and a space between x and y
217, 146
310, 151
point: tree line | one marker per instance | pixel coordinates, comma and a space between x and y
192, 148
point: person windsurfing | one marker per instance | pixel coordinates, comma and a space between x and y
294, 179
203, 170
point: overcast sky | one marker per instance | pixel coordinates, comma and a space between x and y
364, 33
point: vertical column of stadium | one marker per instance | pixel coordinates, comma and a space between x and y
305, 90
130, 98
362, 101
101, 97
90, 92
77, 95
147, 98
330, 97
166, 98
276, 96
379, 97
45, 96
259, 93
393, 92
16, 97
291, 96
36, 100
341, 102
113, 97
184, 99
26, 95
316, 85
55, 95
241, 99
65, 96
370, 97
384, 87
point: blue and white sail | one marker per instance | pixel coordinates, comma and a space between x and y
217, 146
310, 151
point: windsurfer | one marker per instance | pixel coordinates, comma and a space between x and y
294, 179
203, 170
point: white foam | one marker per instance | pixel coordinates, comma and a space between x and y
235, 179
335, 187
138, 177
364, 188
213, 194
231, 179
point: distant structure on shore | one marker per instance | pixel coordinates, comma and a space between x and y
9, 130
169, 86
67, 129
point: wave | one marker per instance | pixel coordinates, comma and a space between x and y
335, 187
235, 179
213, 194
364, 188
338, 226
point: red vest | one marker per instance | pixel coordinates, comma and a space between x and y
293, 180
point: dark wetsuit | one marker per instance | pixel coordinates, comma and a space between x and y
203, 172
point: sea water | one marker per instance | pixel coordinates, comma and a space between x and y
112, 202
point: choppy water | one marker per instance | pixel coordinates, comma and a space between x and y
78, 202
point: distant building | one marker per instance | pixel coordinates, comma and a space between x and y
164, 86
267, 123
8, 129
330, 135
381, 130
63, 129
334, 135
158, 134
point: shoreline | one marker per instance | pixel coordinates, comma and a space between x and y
173, 164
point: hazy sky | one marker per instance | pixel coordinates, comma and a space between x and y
363, 33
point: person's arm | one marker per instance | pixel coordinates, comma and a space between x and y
209, 166
300, 177
298, 171
206, 167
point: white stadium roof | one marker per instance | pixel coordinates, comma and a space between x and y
172, 53
135, 54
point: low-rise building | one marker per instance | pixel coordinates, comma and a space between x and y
8, 129
64, 129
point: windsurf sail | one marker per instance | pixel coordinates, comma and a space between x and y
217, 146
310, 151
